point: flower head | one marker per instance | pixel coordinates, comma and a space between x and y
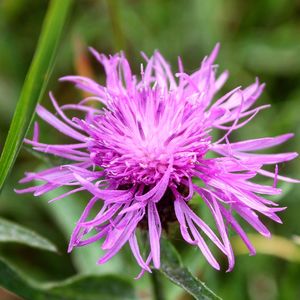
142, 152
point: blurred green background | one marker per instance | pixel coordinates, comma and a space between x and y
258, 38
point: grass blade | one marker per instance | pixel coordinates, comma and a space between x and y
35, 83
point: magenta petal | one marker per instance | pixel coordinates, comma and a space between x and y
223, 232
256, 144
239, 230
59, 125
136, 252
124, 237
154, 233
183, 225
157, 192
105, 194
251, 217
202, 245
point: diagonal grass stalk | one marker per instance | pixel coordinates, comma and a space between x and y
35, 83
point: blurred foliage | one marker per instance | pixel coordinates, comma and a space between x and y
258, 38
74, 288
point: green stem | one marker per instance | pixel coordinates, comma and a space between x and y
158, 291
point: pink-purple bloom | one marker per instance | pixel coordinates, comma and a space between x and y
142, 145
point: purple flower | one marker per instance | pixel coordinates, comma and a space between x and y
145, 147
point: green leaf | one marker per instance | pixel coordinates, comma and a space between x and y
89, 287
35, 83
11, 232
171, 267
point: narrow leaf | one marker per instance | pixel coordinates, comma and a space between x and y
171, 267
11, 232
35, 83
91, 287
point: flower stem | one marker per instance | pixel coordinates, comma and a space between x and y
158, 291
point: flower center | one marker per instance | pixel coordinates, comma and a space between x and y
136, 139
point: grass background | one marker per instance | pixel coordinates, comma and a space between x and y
258, 38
